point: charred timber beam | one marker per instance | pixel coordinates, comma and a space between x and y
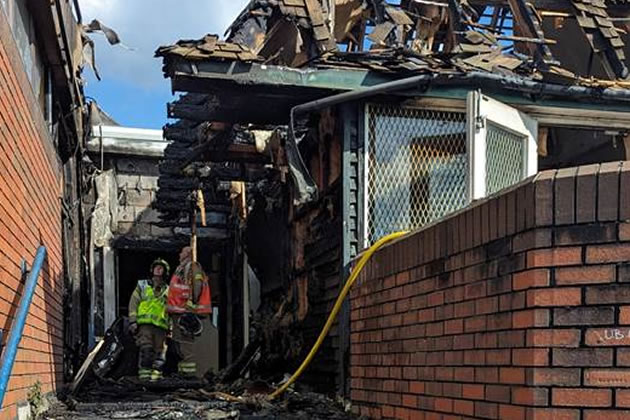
527, 20
245, 173
209, 152
242, 107
187, 133
212, 152
152, 244
551, 5
179, 204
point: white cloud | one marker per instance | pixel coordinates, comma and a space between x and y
144, 25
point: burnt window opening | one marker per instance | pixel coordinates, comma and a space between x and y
561, 147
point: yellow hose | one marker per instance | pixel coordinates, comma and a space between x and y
331, 318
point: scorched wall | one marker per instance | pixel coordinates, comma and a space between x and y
515, 308
30, 215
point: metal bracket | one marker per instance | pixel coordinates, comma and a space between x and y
24, 267
480, 122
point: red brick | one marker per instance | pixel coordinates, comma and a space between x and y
498, 393
585, 275
617, 293
473, 324
388, 411
554, 257
488, 375
553, 414
465, 374
624, 232
530, 278
530, 357
466, 408
530, 396
584, 316
511, 339
512, 375
473, 391
500, 321
486, 410
582, 357
409, 400
572, 397
511, 412
590, 234
486, 340
544, 189
619, 378
402, 278
498, 357
607, 337
554, 376
586, 194
530, 318
444, 405
401, 413
435, 299
454, 326
608, 191
532, 239
564, 191
553, 338
475, 357
606, 414
601, 254
562, 296
623, 357
487, 305
416, 387
622, 398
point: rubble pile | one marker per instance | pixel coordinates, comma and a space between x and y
107, 387
142, 403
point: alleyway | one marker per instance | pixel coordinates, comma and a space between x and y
338, 209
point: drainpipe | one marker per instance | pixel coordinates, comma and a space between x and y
473, 78
15, 335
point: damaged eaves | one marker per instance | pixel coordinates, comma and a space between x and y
429, 36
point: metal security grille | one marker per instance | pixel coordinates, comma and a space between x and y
417, 167
505, 158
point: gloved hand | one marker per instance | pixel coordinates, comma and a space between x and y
133, 328
190, 324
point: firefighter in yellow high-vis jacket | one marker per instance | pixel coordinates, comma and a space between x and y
149, 320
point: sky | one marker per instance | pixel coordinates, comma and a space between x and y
133, 90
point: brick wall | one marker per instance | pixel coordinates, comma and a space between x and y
515, 308
30, 215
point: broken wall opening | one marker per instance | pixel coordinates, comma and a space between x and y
564, 147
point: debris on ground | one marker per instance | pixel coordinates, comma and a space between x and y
106, 388
143, 403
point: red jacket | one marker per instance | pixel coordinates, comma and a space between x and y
180, 292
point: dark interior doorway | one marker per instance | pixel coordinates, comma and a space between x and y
134, 265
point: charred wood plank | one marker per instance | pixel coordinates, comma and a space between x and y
527, 21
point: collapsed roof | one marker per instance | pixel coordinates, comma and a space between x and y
550, 40
281, 53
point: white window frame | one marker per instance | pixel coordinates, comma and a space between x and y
481, 110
